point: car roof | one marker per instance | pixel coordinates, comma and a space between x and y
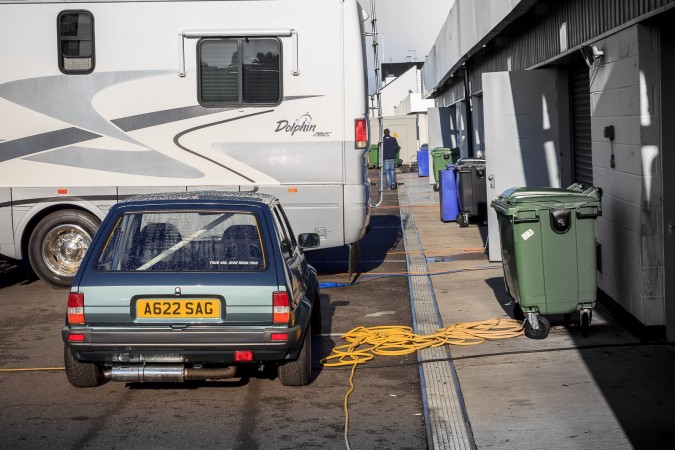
203, 196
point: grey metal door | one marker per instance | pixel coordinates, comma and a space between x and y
522, 135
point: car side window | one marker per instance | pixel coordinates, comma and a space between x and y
288, 227
286, 239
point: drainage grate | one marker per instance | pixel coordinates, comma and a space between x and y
445, 414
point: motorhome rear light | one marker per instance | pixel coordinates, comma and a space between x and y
62, 191
292, 189
243, 355
281, 308
360, 133
76, 337
279, 336
76, 308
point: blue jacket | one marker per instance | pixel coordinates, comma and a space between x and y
389, 147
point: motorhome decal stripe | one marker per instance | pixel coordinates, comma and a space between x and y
144, 163
88, 198
152, 119
176, 140
40, 142
300, 97
167, 116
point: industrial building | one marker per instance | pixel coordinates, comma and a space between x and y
555, 92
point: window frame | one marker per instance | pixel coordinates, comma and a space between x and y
60, 39
240, 81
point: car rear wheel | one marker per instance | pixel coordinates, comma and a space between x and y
299, 372
81, 374
58, 243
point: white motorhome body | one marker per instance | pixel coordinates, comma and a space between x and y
100, 100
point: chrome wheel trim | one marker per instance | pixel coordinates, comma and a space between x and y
63, 249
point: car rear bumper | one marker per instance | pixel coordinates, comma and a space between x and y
180, 345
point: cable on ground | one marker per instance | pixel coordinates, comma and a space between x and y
366, 343
31, 369
372, 276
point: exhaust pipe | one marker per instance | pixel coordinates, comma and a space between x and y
167, 373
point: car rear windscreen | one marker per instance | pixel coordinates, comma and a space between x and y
184, 241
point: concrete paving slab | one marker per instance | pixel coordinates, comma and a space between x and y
606, 390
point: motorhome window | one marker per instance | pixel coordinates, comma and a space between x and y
76, 42
239, 71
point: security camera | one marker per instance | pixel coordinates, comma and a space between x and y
591, 54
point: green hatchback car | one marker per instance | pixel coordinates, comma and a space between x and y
190, 286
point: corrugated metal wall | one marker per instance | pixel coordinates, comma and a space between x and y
535, 37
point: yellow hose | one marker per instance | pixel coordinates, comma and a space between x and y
31, 369
365, 343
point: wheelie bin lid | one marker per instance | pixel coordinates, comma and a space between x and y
521, 199
440, 150
465, 164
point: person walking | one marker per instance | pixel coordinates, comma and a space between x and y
389, 149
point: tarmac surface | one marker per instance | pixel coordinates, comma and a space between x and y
605, 389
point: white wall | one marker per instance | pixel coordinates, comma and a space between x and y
414, 103
625, 91
392, 94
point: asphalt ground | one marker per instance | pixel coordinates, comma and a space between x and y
39, 409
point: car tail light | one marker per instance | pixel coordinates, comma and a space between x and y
281, 308
360, 133
243, 355
76, 308
279, 336
76, 337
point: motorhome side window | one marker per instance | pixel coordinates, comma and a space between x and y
239, 71
76, 42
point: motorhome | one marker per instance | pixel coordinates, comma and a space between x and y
105, 99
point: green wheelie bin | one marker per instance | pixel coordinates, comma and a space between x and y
548, 253
373, 156
441, 157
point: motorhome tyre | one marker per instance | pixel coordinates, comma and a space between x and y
58, 244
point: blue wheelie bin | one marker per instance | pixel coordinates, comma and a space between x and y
448, 194
423, 163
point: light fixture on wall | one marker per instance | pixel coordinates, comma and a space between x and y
590, 53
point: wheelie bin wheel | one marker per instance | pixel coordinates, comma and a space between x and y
463, 219
437, 186
586, 317
542, 332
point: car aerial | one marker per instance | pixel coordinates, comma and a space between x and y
191, 286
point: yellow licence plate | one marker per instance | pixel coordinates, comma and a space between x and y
178, 309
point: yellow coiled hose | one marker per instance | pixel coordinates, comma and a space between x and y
364, 343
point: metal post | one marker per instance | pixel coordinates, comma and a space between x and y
469, 115
378, 99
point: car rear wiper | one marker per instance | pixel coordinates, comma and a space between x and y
173, 249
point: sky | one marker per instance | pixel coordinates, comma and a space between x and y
406, 28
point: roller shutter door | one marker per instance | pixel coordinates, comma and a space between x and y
581, 126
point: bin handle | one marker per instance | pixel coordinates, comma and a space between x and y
588, 216
528, 220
